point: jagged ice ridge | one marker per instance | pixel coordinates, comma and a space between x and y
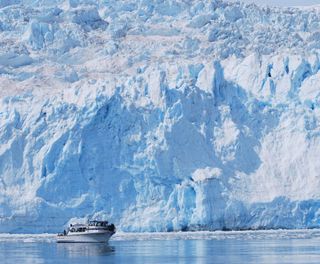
158, 115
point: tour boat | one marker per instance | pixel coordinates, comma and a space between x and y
92, 232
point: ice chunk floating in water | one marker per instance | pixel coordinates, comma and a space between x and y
158, 116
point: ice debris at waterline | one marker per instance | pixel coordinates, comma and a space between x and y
158, 115
194, 235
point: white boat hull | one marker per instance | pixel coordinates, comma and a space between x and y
85, 237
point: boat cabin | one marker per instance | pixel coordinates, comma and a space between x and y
77, 228
91, 226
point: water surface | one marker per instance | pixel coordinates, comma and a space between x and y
199, 247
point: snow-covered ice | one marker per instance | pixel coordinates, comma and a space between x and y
158, 115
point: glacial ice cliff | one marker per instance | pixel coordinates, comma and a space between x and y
158, 115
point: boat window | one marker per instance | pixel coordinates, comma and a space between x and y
98, 223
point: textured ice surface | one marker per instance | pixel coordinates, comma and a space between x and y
158, 115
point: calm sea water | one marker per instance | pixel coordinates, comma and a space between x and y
221, 247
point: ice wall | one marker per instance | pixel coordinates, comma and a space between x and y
158, 115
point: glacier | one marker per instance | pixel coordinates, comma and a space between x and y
160, 115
